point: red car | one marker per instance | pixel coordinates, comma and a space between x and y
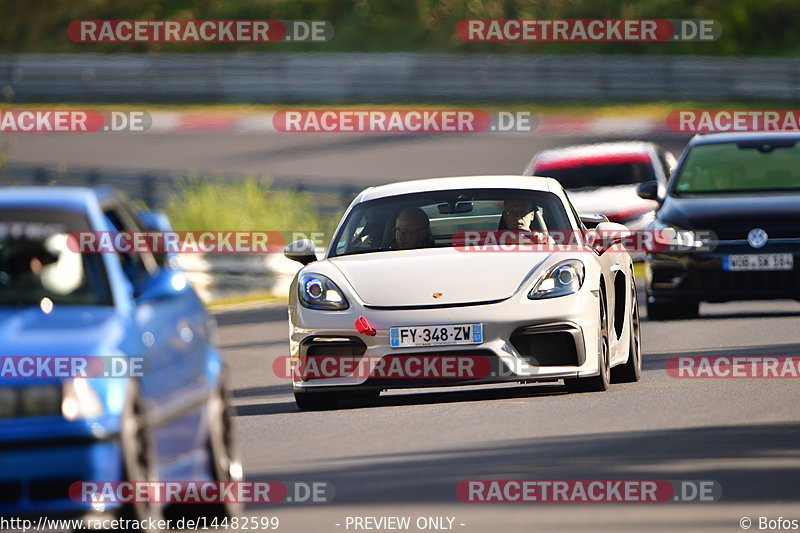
602, 178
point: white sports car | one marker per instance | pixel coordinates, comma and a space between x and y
415, 290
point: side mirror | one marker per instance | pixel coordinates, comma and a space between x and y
592, 220
648, 190
165, 284
303, 251
154, 220
608, 234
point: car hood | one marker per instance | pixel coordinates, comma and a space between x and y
733, 216
619, 203
411, 277
66, 330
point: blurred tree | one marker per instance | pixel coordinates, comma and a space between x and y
750, 27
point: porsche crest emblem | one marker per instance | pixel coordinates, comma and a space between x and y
437, 295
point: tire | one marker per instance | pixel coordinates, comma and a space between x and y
631, 371
672, 310
316, 401
600, 382
224, 460
138, 456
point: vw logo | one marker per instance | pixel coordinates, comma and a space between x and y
757, 237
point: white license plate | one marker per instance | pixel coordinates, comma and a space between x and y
448, 335
758, 262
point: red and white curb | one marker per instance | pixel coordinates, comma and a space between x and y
261, 123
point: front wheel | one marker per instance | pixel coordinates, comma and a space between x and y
600, 382
223, 449
138, 456
224, 462
631, 371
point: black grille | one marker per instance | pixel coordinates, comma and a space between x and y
332, 346
746, 282
547, 348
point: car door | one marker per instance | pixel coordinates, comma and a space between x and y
173, 339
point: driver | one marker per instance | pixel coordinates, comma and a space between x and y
412, 229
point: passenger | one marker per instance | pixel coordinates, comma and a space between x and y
519, 214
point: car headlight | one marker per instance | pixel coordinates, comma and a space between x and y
677, 239
318, 292
562, 279
80, 400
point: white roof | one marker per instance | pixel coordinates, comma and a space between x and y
531, 183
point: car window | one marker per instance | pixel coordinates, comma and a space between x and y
373, 226
39, 266
740, 167
134, 264
602, 171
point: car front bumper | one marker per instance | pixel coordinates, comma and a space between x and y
699, 276
523, 340
40, 462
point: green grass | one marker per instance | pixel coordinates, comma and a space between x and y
249, 204
258, 297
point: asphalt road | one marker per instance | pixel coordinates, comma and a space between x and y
404, 455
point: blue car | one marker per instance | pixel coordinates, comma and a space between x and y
170, 421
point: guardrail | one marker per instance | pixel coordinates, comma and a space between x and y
216, 276
391, 77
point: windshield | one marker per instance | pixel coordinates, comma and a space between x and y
740, 167
37, 266
431, 219
581, 173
